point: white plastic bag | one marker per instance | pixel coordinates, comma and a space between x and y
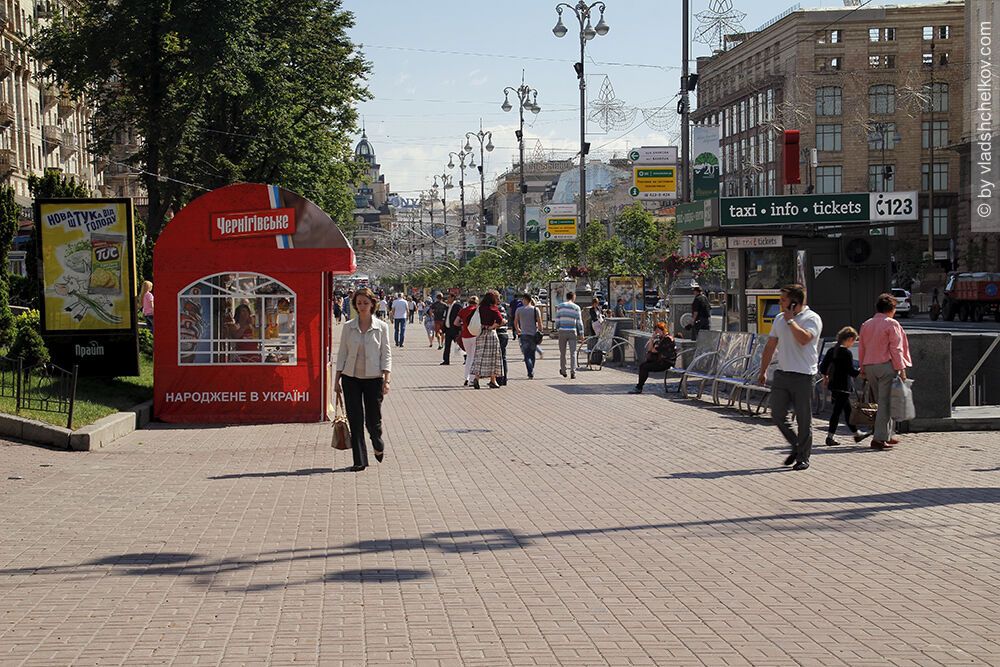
901, 400
475, 323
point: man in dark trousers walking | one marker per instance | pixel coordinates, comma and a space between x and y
701, 311
451, 332
795, 335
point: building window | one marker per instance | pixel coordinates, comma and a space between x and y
828, 64
828, 137
881, 34
937, 32
940, 221
830, 37
936, 97
940, 176
829, 100
887, 61
829, 180
936, 131
879, 133
236, 318
882, 99
881, 178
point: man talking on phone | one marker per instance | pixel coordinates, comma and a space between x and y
795, 335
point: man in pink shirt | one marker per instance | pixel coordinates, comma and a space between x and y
883, 353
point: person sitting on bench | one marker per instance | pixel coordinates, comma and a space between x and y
661, 353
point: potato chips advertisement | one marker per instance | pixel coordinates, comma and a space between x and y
88, 284
87, 265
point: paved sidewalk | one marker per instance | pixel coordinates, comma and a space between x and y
548, 522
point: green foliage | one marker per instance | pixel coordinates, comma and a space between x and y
28, 344
9, 213
242, 90
640, 235
145, 341
143, 252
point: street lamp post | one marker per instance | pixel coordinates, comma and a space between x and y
582, 11
445, 186
461, 155
527, 98
485, 146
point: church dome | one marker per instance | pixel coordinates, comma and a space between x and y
364, 149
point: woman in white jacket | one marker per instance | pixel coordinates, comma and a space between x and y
364, 366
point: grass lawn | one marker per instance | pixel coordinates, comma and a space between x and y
97, 397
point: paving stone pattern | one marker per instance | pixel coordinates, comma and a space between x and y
548, 522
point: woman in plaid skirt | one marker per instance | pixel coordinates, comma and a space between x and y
487, 362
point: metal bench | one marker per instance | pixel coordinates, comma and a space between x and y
605, 342
739, 371
707, 367
707, 344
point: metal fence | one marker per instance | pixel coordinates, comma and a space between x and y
43, 387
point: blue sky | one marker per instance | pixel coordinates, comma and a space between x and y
440, 67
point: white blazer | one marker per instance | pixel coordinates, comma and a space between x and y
374, 344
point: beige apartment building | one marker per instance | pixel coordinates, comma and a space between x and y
877, 92
43, 128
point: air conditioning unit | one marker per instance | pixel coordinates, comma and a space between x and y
863, 251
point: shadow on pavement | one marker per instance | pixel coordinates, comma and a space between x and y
202, 572
282, 473
719, 474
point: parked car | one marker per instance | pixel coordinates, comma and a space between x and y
903, 305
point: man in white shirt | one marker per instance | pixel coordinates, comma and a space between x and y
400, 309
795, 334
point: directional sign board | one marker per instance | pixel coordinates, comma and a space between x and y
653, 155
817, 209
560, 222
654, 182
561, 228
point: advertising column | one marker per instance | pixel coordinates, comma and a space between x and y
88, 309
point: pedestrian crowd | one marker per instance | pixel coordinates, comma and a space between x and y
480, 328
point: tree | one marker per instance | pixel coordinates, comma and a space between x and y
241, 90
9, 211
640, 237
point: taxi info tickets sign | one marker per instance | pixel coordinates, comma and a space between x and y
88, 266
817, 209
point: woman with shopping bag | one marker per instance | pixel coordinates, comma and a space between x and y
364, 366
884, 355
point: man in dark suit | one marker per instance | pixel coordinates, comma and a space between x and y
451, 332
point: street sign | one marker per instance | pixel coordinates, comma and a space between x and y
696, 216
653, 155
752, 242
817, 209
558, 209
561, 228
654, 182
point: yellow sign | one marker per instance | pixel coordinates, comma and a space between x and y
560, 228
654, 182
88, 265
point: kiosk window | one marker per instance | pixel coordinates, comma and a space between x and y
769, 268
236, 318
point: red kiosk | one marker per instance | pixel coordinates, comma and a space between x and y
244, 291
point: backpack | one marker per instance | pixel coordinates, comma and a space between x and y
475, 325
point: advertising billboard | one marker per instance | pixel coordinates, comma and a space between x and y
705, 148
88, 309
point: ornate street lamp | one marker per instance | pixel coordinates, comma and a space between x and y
461, 157
485, 145
527, 98
583, 12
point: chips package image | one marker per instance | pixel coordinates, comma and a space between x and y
107, 252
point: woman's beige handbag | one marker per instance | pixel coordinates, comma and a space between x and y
341, 429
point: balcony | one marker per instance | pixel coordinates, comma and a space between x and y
67, 105
50, 95
6, 64
44, 10
7, 116
51, 137
8, 163
69, 144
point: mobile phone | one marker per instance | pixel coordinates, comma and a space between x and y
792, 305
